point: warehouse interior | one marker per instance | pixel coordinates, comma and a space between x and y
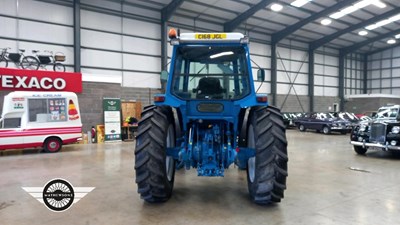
318, 56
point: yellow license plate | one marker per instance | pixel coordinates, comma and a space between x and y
210, 36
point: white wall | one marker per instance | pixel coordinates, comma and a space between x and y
326, 73
27, 28
128, 46
127, 49
354, 67
384, 72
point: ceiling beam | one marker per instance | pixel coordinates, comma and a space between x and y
320, 42
355, 47
168, 11
278, 36
383, 49
233, 24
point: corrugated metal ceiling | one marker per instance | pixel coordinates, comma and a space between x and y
269, 22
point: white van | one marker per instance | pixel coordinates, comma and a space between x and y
40, 119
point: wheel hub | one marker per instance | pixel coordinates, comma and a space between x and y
169, 161
251, 162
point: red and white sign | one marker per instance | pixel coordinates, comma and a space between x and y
39, 80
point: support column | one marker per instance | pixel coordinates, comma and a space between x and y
365, 74
77, 36
311, 78
342, 58
273, 73
164, 46
164, 51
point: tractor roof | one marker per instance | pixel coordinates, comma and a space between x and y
210, 38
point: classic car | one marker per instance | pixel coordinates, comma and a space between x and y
289, 118
350, 117
323, 122
382, 132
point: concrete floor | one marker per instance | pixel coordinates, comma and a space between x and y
322, 189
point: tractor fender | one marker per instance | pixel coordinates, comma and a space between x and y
243, 126
177, 122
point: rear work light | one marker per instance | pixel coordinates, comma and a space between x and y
262, 98
159, 98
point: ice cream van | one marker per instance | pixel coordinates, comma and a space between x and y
40, 119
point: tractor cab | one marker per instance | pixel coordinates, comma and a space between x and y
210, 73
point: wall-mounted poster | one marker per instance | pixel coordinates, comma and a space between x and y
112, 119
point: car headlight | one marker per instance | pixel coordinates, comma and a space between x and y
395, 129
362, 127
334, 125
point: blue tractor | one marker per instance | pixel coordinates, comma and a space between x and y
209, 118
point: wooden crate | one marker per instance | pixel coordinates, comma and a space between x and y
131, 108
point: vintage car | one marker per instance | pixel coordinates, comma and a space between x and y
323, 122
289, 119
350, 117
382, 132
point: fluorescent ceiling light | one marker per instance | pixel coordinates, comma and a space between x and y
395, 18
337, 15
391, 41
349, 9
363, 33
371, 27
397, 36
276, 7
357, 6
221, 54
362, 4
300, 3
326, 22
383, 22
379, 4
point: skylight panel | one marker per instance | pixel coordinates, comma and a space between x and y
300, 3
357, 6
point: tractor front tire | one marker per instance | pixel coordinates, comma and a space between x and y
267, 170
155, 171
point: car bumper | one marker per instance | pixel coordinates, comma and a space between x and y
375, 145
341, 128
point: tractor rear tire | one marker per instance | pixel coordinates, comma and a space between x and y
155, 171
267, 170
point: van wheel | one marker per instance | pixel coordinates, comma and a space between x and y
52, 144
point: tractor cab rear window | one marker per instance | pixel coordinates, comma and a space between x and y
210, 72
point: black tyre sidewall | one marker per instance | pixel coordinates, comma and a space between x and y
30, 57
326, 130
48, 141
360, 150
3, 62
268, 175
151, 176
59, 64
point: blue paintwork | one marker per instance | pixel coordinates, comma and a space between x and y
218, 132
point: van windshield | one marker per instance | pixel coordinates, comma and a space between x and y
210, 72
10, 123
